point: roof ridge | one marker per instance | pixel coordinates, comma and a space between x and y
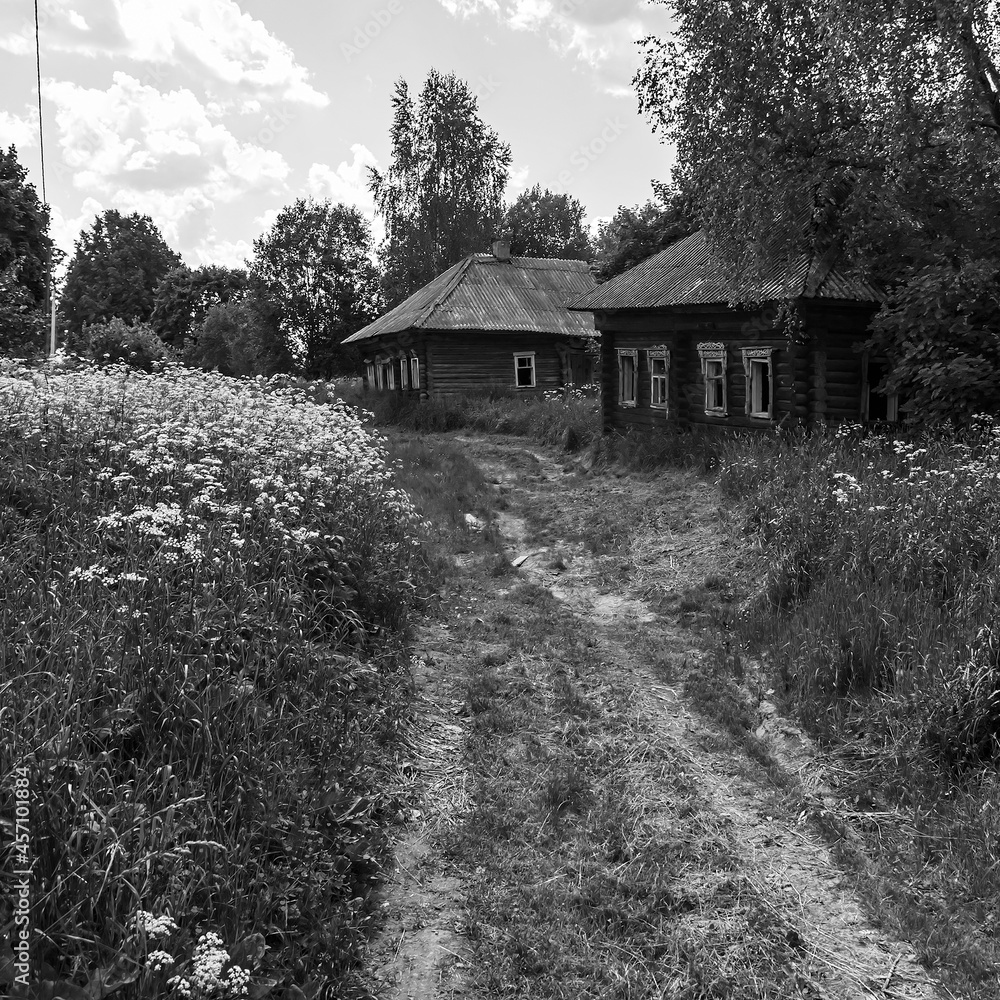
462, 266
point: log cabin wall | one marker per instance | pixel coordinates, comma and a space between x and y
815, 377
463, 362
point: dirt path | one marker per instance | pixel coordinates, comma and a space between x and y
641, 590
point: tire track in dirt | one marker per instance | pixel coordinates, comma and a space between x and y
843, 955
419, 952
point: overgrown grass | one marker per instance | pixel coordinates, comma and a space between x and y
877, 618
569, 419
205, 583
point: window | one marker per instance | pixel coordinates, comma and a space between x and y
414, 372
379, 379
628, 381
757, 364
713, 368
370, 373
876, 405
524, 370
404, 373
389, 375
659, 367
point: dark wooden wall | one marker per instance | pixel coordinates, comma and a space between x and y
469, 361
817, 378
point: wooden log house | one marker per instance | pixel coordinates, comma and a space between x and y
491, 321
675, 352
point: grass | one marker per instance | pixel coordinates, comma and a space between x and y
596, 868
569, 419
875, 616
206, 588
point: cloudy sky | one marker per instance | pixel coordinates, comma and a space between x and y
210, 115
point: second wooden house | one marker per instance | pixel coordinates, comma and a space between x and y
676, 352
492, 321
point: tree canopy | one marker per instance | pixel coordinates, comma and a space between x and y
544, 224
441, 197
184, 297
633, 234
25, 246
25, 250
114, 271
314, 265
870, 131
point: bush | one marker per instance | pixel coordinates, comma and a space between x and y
117, 341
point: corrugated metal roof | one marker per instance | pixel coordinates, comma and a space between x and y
688, 274
522, 295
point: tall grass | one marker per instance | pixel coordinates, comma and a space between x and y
567, 418
203, 581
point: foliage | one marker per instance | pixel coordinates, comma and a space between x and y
204, 584
441, 196
633, 234
184, 297
25, 246
24, 326
240, 338
544, 224
314, 265
866, 131
114, 271
135, 344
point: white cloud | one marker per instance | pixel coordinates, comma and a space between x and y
348, 183
601, 33
18, 131
160, 154
212, 250
238, 52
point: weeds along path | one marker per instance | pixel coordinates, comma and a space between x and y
642, 564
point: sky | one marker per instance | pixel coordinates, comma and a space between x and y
211, 115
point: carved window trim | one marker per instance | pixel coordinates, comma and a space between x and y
758, 362
628, 383
712, 354
659, 382
414, 372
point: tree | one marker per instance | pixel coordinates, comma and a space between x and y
544, 224
315, 266
114, 271
184, 296
25, 254
441, 197
633, 234
239, 337
864, 131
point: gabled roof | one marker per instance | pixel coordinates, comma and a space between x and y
522, 294
688, 274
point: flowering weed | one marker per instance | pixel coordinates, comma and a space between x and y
203, 580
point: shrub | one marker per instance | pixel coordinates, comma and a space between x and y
117, 341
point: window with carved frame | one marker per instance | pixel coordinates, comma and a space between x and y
758, 366
659, 376
628, 377
713, 370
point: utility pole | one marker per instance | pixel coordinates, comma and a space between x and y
45, 200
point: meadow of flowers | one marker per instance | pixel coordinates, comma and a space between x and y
204, 582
